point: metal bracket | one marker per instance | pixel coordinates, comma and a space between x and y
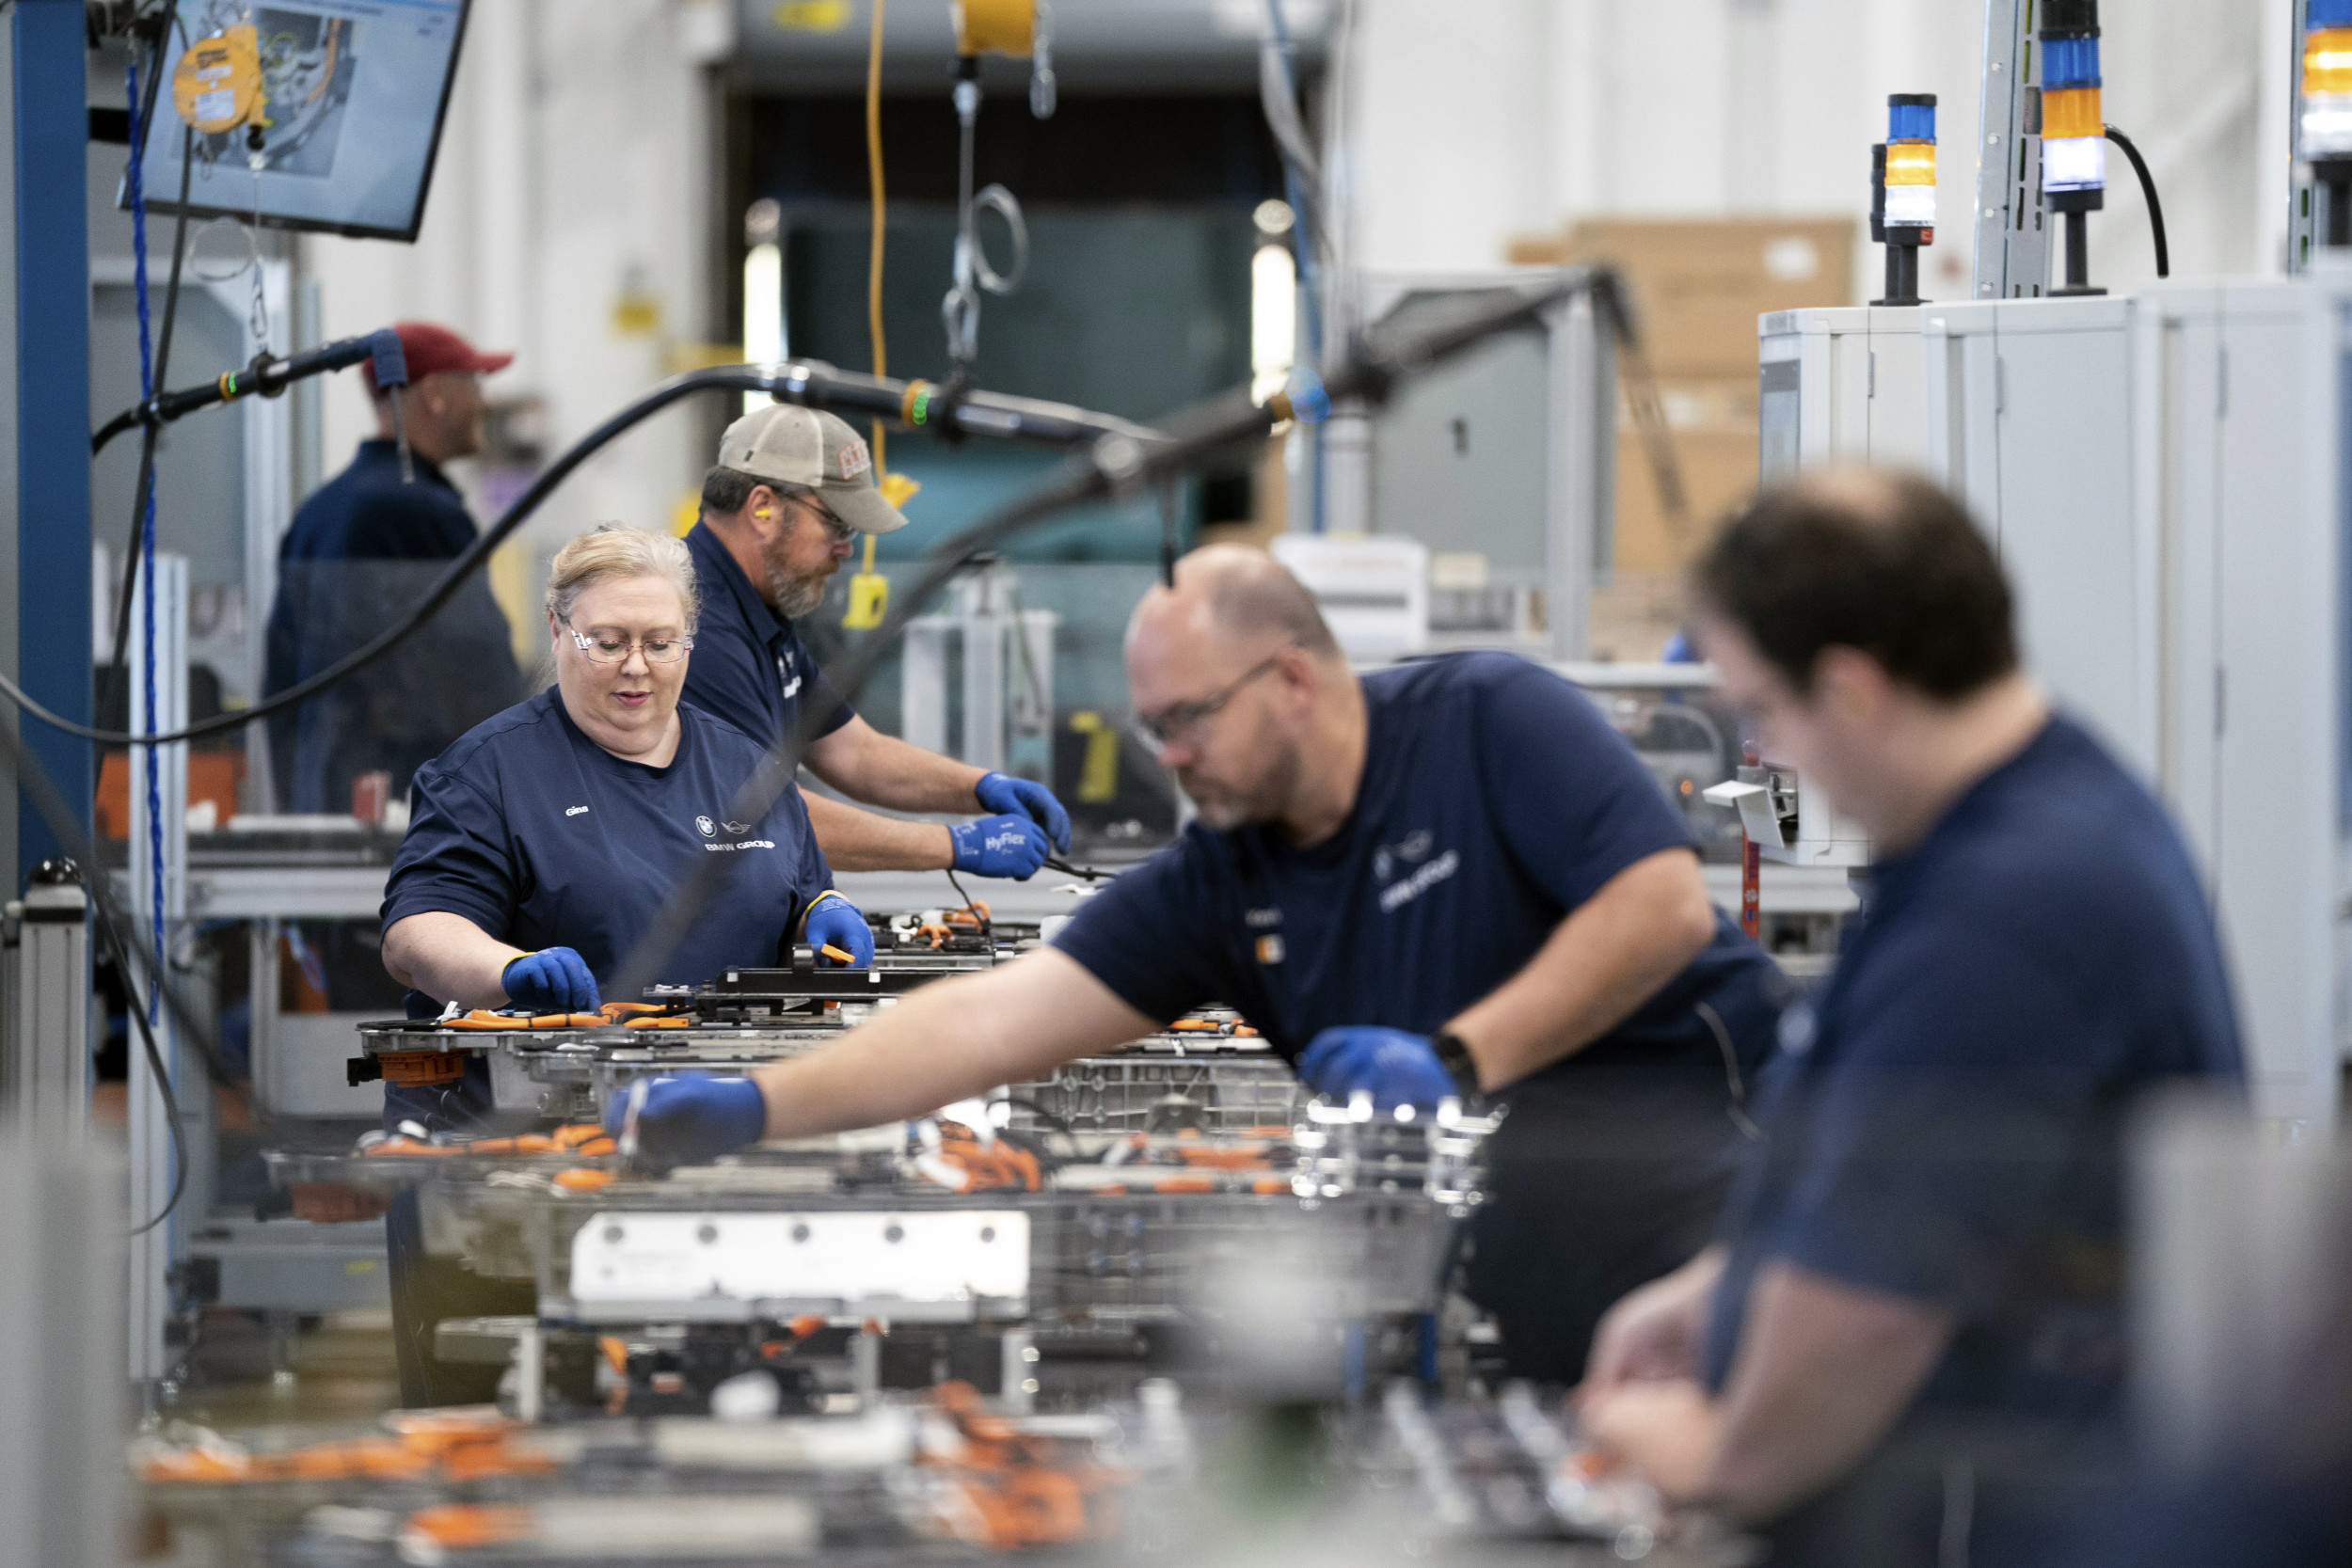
2013, 251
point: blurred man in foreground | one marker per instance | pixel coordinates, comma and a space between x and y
1908, 1336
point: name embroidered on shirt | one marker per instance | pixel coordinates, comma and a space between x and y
747, 844
1396, 894
574, 811
1261, 919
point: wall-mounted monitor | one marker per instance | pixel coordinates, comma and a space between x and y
354, 93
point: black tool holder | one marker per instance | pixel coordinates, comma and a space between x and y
1903, 243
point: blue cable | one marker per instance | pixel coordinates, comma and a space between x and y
137, 182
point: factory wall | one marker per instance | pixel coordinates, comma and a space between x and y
1470, 123
572, 214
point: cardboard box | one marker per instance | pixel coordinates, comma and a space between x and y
1634, 614
1698, 284
1719, 468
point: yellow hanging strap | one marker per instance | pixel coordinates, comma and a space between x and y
869, 591
874, 181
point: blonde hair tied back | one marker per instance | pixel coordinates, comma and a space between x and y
612, 551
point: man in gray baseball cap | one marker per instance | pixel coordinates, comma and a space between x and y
790, 491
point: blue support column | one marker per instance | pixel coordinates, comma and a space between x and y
51, 134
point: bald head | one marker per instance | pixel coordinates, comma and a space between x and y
1253, 705
1230, 593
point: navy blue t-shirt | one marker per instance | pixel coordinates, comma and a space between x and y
359, 552
749, 667
1495, 800
544, 839
1942, 1122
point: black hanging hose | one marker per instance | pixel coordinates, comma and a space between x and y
1115, 465
1120, 463
163, 357
808, 382
2148, 189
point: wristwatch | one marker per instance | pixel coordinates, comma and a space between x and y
1454, 1054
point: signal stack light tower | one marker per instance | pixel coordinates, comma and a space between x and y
1903, 210
2327, 122
2074, 130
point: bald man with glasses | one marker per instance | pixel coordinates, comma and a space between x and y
792, 488
1451, 878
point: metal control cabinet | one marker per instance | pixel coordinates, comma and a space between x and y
2024, 410
2246, 392
2029, 418
2166, 478
1508, 454
1840, 386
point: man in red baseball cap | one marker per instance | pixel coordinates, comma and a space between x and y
365, 547
442, 405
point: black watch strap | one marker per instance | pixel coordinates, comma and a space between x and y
1454, 1056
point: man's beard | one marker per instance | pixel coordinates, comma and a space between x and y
795, 596
1265, 802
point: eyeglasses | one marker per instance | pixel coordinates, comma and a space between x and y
606, 647
1164, 728
839, 531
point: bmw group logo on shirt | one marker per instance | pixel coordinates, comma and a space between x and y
736, 831
1412, 848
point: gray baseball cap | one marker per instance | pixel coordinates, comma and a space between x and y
787, 444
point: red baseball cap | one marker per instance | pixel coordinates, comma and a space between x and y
429, 348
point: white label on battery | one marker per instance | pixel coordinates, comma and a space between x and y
860, 1261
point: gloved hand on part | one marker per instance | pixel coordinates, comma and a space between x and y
1002, 792
1006, 845
552, 980
834, 922
1399, 1069
691, 1119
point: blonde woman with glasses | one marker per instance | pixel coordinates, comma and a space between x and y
542, 842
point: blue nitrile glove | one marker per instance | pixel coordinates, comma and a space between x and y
834, 922
693, 1118
552, 980
1002, 792
1399, 1069
999, 847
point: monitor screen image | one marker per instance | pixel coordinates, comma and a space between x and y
353, 94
